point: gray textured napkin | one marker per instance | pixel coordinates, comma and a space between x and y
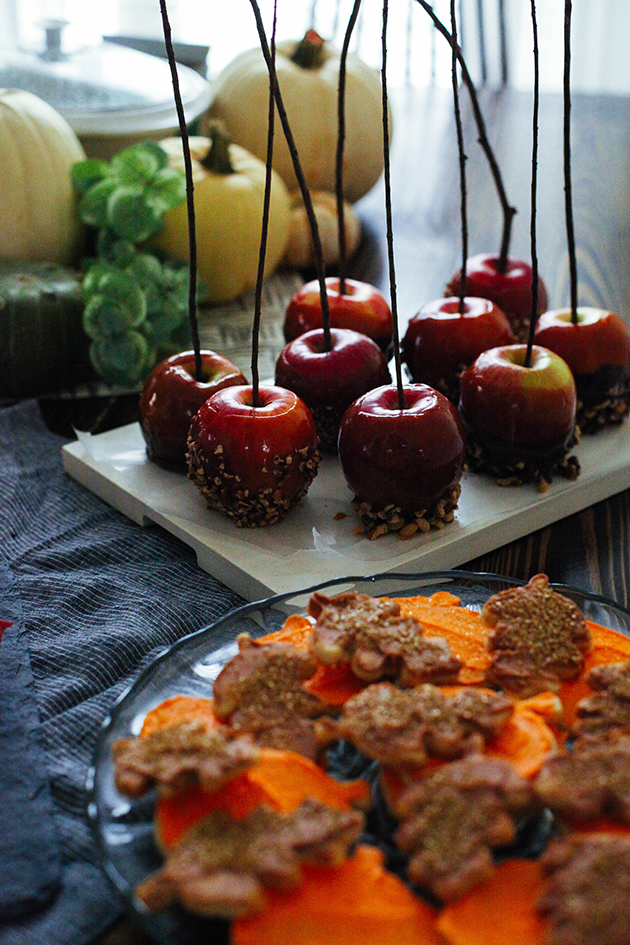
92, 598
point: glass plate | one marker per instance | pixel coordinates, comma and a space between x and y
123, 829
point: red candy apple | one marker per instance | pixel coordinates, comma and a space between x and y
362, 308
328, 381
440, 342
404, 466
597, 349
253, 463
511, 289
520, 420
172, 395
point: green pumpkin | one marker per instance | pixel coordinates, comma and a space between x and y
42, 343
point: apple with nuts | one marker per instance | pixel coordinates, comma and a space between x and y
597, 349
172, 395
510, 288
519, 417
403, 465
361, 307
329, 380
253, 462
441, 341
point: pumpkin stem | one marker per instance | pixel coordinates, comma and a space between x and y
309, 52
218, 159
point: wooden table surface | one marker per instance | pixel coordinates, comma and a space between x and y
589, 550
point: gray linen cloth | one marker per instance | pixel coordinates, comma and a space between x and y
92, 598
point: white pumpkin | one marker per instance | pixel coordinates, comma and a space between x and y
310, 98
37, 202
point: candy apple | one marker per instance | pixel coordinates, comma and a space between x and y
362, 308
253, 463
597, 349
404, 466
440, 341
329, 380
172, 395
511, 289
520, 420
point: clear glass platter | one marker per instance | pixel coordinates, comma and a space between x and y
123, 829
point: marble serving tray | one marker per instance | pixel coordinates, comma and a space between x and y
316, 541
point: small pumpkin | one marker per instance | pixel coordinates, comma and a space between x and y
44, 348
37, 202
229, 186
308, 77
299, 252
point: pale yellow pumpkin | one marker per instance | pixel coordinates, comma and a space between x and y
228, 215
37, 202
310, 98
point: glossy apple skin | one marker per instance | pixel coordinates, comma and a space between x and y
440, 341
328, 381
527, 406
411, 458
253, 463
510, 290
362, 308
170, 398
596, 348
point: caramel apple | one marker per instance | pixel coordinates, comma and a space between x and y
172, 395
519, 418
597, 349
253, 462
441, 341
403, 465
359, 306
329, 380
508, 286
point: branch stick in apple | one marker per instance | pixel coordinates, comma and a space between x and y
462, 156
388, 212
299, 173
192, 240
568, 186
534, 189
508, 210
341, 135
273, 81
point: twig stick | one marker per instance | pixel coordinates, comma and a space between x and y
341, 138
462, 158
265, 215
388, 211
190, 201
534, 252
507, 210
299, 173
568, 188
